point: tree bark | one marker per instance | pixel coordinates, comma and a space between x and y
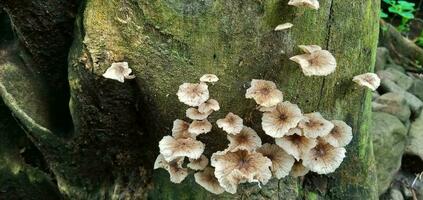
117, 126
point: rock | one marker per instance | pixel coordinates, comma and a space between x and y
417, 88
375, 95
395, 194
382, 58
395, 66
415, 103
389, 140
415, 138
398, 77
394, 104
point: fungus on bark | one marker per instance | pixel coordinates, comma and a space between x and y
282, 118
208, 181
231, 124
315, 62
209, 78
370, 80
299, 170
296, 145
180, 129
198, 164
284, 26
324, 158
198, 127
195, 114
281, 161
340, 135
313, 4
247, 140
193, 94
208, 106
265, 93
176, 171
119, 71
314, 125
172, 148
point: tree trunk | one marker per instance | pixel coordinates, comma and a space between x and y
110, 151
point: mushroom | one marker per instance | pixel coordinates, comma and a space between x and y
172, 148
264, 93
313, 4
198, 127
370, 80
119, 71
209, 78
284, 117
194, 114
281, 161
298, 169
315, 62
296, 145
266, 109
193, 94
324, 158
283, 26
247, 140
176, 171
180, 129
340, 135
209, 105
208, 181
198, 164
233, 168
314, 125
231, 124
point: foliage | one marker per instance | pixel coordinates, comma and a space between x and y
401, 8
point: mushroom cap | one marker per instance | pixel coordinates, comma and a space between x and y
314, 125
180, 129
296, 145
281, 161
324, 158
313, 4
172, 148
284, 117
194, 114
231, 124
119, 71
193, 94
370, 80
316, 63
210, 78
209, 105
198, 127
299, 170
264, 93
208, 181
198, 164
310, 48
283, 26
340, 135
247, 140
176, 171
294, 131
233, 168
266, 109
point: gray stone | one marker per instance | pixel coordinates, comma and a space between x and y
375, 95
398, 77
395, 194
395, 66
415, 103
415, 138
417, 88
382, 58
389, 140
394, 104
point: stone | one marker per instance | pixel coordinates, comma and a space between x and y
375, 95
389, 140
415, 103
417, 88
415, 138
395, 194
394, 104
382, 58
398, 77
395, 66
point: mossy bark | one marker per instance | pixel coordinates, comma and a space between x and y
167, 42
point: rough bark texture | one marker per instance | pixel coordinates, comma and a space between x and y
167, 42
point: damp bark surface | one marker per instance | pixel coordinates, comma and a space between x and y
110, 150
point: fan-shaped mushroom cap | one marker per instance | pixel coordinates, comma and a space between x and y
310, 48
340, 135
294, 131
324, 158
283, 26
284, 117
266, 109
180, 129
119, 71
314, 125
194, 114
264, 93
172, 148
296, 145
210, 78
208, 181
176, 171
208, 106
233, 168
198, 164
316, 63
193, 94
299, 170
370, 80
231, 124
247, 140
198, 127
313, 4
281, 161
